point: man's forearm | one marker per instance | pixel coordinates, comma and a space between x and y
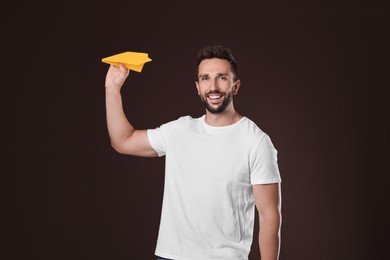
269, 236
119, 128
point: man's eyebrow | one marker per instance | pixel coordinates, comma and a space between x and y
218, 75
222, 74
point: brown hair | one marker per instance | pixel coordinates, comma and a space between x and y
220, 52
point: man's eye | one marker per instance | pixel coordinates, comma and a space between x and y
204, 78
222, 78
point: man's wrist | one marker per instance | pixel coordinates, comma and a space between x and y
112, 89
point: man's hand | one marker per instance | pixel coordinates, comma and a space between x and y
116, 76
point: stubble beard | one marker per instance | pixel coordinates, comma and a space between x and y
222, 107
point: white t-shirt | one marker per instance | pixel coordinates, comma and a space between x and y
208, 205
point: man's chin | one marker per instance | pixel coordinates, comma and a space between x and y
218, 108
215, 109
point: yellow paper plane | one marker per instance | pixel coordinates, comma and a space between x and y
132, 60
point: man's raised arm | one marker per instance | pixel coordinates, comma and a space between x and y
124, 138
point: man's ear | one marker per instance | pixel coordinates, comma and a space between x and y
236, 87
197, 86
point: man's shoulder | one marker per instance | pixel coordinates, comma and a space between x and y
185, 119
182, 121
251, 127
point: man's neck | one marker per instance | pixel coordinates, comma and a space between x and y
228, 117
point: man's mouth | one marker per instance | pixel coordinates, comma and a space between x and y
215, 98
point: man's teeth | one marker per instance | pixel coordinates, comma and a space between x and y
214, 96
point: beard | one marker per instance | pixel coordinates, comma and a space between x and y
222, 107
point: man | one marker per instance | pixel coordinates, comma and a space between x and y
218, 168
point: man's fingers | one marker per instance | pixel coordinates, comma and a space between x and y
120, 68
123, 69
116, 75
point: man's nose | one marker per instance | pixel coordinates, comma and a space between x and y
214, 85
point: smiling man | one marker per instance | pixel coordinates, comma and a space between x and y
219, 168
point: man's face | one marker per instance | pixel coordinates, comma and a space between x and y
216, 85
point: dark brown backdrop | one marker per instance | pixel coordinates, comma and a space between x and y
313, 77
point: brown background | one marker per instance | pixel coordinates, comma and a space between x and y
314, 77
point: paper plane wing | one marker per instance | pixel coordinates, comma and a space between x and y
132, 60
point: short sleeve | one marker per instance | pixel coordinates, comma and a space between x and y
264, 165
158, 137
